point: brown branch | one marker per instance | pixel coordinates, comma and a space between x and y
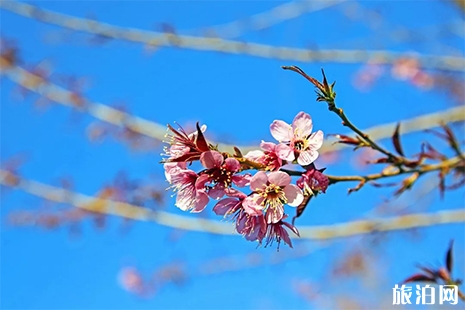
157, 39
126, 210
446, 164
157, 131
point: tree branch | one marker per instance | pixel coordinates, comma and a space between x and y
157, 39
269, 18
126, 210
157, 131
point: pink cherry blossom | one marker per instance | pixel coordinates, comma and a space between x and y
276, 232
185, 147
268, 157
253, 228
172, 169
271, 192
230, 205
297, 140
191, 195
221, 173
313, 181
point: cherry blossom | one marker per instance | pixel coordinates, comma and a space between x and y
268, 157
191, 195
221, 173
271, 192
297, 140
313, 181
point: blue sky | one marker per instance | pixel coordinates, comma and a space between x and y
238, 97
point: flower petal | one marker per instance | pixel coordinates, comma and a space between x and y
172, 169
274, 215
226, 206
279, 178
232, 164
267, 146
285, 152
285, 236
252, 205
232, 192
258, 181
201, 201
281, 131
302, 125
211, 159
241, 180
294, 195
315, 140
307, 157
216, 192
254, 155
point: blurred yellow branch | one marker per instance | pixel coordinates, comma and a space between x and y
126, 210
269, 18
159, 39
157, 131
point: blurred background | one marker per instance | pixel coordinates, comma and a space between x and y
87, 88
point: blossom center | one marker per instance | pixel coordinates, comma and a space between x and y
300, 145
222, 175
274, 196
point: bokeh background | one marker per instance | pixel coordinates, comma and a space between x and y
54, 256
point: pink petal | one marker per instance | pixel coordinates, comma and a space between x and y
216, 192
316, 140
240, 180
281, 131
211, 159
172, 169
285, 152
302, 124
274, 215
201, 180
258, 181
267, 146
252, 205
225, 205
232, 192
294, 195
185, 199
285, 236
201, 202
254, 155
292, 227
307, 157
279, 178
232, 164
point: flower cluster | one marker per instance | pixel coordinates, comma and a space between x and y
259, 215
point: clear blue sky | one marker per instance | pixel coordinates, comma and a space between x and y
237, 97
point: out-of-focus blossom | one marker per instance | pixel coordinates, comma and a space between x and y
367, 76
131, 280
